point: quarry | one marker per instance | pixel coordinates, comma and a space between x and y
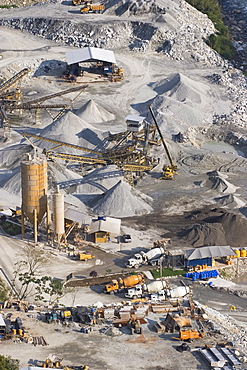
131, 125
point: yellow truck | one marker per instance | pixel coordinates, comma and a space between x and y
127, 282
85, 256
90, 8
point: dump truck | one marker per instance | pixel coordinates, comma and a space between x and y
128, 282
85, 256
92, 8
152, 257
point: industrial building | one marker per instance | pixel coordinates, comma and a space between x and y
205, 256
91, 60
104, 228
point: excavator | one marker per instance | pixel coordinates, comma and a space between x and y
168, 170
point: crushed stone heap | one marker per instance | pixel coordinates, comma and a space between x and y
223, 229
217, 181
93, 113
121, 201
71, 129
180, 99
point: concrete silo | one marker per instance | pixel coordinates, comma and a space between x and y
34, 190
58, 215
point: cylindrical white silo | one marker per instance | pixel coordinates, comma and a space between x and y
58, 214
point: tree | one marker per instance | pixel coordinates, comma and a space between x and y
27, 269
52, 287
4, 291
9, 363
41, 288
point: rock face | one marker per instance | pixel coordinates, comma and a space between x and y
179, 32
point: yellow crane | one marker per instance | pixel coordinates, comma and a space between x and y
168, 170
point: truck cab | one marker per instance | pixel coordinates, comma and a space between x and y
136, 292
135, 262
112, 288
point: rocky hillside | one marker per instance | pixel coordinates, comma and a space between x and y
171, 27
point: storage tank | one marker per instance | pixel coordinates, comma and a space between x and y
58, 213
155, 286
178, 292
132, 280
34, 186
153, 253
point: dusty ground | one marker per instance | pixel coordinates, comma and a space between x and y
177, 204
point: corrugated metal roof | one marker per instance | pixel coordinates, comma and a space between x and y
89, 54
132, 117
207, 252
111, 225
73, 215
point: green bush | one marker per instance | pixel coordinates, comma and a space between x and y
8, 363
221, 41
10, 228
8, 6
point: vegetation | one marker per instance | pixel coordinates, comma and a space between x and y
28, 273
167, 272
8, 7
221, 41
8, 363
4, 292
10, 228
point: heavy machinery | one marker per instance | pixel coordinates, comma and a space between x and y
85, 256
145, 257
134, 325
90, 8
168, 170
120, 284
159, 287
189, 334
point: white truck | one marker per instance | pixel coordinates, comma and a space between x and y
139, 290
160, 293
152, 257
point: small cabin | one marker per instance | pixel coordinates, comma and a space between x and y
103, 228
135, 123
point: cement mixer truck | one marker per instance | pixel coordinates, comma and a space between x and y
140, 289
158, 291
152, 257
128, 282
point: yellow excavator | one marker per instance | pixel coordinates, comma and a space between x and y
168, 170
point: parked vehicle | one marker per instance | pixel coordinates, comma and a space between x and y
146, 257
120, 284
126, 238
